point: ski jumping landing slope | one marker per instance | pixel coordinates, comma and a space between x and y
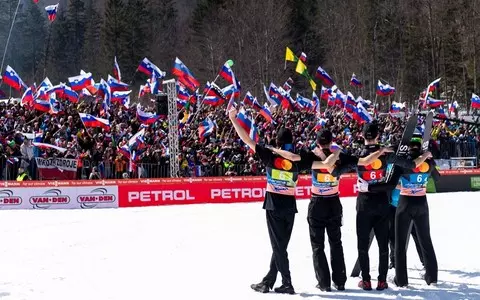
210, 252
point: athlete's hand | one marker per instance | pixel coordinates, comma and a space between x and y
362, 185
232, 113
428, 154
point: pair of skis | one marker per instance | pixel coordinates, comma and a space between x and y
402, 151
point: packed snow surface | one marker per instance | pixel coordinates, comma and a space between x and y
210, 252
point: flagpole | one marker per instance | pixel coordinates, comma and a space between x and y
47, 50
8, 39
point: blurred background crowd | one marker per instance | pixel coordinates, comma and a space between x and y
220, 154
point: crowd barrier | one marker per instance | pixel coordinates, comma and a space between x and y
88, 194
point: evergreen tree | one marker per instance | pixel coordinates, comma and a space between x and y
92, 45
114, 35
29, 42
137, 37
76, 33
163, 30
7, 12
59, 65
304, 36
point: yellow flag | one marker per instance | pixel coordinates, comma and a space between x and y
289, 56
301, 68
313, 84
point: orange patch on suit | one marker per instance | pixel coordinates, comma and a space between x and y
375, 165
282, 164
423, 168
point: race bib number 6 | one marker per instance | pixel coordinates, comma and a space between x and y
373, 175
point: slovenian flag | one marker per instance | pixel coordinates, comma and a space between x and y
182, 92
274, 95
42, 89
11, 78
227, 73
124, 151
146, 117
350, 104
433, 85
316, 100
323, 75
116, 70
475, 101
303, 57
120, 96
70, 94
320, 124
206, 128
248, 99
305, 103
184, 75
45, 146
52, 12
244, 120
148, 68
384, 89
116, 85
90, 121
41, 105
396, 107
58, 90
267, 114
81, 81
434, 102
55, 106
441, 113
362, 115
355, 82
27, 98
137, 141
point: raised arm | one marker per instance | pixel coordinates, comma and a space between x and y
286, 154
328, 163
365, 161
422, 158
244, 136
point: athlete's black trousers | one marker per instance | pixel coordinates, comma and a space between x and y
280, 225
391, 232
372, 214
391, 236
325, 214
416, 209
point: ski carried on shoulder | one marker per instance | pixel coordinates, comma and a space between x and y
402, 151
427, 132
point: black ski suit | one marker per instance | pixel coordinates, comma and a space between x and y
373, 210
413, 206
325, 213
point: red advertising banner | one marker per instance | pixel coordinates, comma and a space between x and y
213, 190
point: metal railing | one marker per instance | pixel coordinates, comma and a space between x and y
107, 170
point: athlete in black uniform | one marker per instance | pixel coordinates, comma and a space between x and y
413, 206
373, 209
391, 186
280, 205
325, 209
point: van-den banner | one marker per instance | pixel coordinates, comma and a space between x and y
57, 168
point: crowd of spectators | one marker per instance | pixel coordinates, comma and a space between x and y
221, 153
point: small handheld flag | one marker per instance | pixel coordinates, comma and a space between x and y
52, 12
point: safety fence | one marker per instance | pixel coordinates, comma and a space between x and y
449, 155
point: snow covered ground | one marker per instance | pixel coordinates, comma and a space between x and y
209, 252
